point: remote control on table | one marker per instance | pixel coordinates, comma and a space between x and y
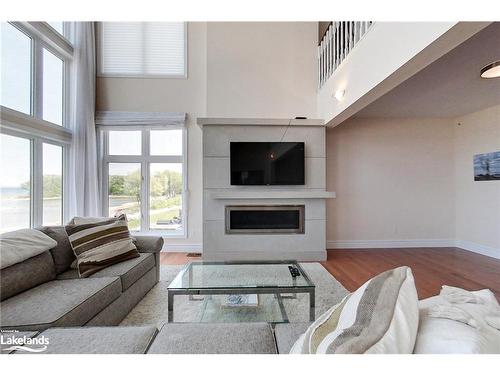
294, 271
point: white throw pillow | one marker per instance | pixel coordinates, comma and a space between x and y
19, 245
380, 317
448, 334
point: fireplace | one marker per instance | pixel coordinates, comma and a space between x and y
276, 219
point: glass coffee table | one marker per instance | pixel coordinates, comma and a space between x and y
256, 288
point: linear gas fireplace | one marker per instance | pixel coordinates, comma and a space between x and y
276, 219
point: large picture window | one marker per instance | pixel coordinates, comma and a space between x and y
32, 183
35, 62
15, 188
16, 69
144, 172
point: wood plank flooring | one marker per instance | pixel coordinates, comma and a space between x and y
432, 267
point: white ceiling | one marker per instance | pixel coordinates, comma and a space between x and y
449, 87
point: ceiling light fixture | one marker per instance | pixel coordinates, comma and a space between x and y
339, 94
491, 70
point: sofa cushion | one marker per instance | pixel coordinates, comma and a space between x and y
99, 245
59, 303
214, 338
26, 275
62, 253
7, 340
19, 245
287, 334
129, 271
98, 340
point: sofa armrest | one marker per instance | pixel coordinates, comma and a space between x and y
148, 244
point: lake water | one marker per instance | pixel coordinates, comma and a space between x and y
15, 209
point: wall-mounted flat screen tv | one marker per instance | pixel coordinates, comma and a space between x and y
267, 163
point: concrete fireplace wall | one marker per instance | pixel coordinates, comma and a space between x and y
218, 193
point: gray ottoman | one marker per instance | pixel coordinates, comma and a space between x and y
287, 334
98, 340
214, 338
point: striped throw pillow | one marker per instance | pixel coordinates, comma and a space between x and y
100, 244
380, 317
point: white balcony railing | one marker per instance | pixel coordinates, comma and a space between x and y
339, 39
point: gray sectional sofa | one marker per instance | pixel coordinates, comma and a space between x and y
44, 292
44, 297
173, 338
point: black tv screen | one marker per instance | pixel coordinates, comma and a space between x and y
267, 163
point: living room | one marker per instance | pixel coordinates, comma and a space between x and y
285, 185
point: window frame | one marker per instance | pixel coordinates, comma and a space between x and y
43, 36
36, 175
32, 126
145, 159
100, 74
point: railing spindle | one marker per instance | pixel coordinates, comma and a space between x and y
339, 40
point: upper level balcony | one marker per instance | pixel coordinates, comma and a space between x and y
359, 61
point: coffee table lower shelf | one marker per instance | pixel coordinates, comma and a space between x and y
272, 295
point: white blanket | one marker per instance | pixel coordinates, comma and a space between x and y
442, 329
19, 245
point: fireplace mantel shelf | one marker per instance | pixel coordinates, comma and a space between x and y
271, 194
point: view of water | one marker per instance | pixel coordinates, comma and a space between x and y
15, 210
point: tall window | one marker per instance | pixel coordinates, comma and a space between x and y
138, 49
35, 62
144, 173
31, 186
16, 69
15, 188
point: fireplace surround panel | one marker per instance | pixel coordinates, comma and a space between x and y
265, 219
237, 222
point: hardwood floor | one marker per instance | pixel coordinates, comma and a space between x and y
432, 267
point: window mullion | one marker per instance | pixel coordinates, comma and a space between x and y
37, 88
65, 184
37, 163
145, 181
105, 176
185, 185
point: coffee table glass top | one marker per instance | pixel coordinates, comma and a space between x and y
242, 275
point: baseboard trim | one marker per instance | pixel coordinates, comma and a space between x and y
364, 244
310, 256
478, 248
182, 248
392, 244
389, 244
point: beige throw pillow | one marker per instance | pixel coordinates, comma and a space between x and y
99, 245
380, 317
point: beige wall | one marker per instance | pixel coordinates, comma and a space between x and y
175, 95
261, 69
410, 182
234, 70
394, 182
477, 202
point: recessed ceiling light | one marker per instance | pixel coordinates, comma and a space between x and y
339, 94
491, 70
